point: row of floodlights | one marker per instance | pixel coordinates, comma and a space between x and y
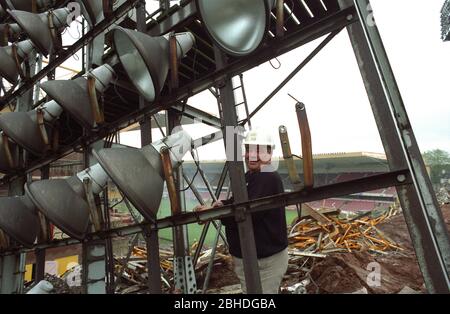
237, 27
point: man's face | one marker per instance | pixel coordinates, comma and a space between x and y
257, 155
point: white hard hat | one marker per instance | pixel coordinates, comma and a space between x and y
259, 137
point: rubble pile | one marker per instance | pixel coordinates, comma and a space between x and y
342, 271
329, 252
311, 237
133, 274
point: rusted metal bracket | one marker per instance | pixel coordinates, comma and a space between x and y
17, 61
170, 181
95, 213
4, 35
45, 230
240, 214
289, 159
4, 240
174, 77
42, 129
280, 18
7, 150
108, 8
34, 6
56, 39
305, 134
98, 113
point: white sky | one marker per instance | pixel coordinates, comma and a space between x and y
330, 85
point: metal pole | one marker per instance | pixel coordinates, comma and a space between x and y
13, 266
110, 274
94, 252
305, 134
424, 219
211, 260
183, 265
40, 253
238, 184
151, 236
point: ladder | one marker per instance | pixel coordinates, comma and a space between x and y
238, 90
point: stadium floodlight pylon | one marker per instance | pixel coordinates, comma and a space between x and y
237, 27
146, 58
30, 129
78, 98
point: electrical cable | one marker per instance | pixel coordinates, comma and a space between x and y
279, 64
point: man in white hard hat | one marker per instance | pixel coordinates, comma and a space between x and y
269, 226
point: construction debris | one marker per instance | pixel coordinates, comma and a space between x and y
333, 257
329, 233
134, 274
443, 195
345, 272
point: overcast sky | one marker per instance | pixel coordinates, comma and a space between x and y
331, 87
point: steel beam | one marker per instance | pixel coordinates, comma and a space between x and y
40, 253
422, 214
12, 266
94, 254
94, 266
184, 274
151, 236
173, 20
233, 143
197, 114
370, 183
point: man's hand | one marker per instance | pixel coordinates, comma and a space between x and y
217, 204
200, 208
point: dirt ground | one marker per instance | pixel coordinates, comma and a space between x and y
349, 272
337, 273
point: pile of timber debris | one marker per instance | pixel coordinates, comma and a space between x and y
132, 275
351, 272
329, 233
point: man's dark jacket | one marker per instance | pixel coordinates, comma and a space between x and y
269, 226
